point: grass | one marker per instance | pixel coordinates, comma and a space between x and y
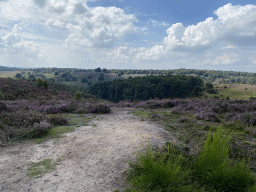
210, 170
40, 168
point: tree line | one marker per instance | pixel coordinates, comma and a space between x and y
148, 87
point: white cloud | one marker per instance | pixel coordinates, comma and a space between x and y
233, 21
14, 43
229, 47
103, 28
157, 23
226, 59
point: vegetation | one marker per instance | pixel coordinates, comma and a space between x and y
201, 162
144, 88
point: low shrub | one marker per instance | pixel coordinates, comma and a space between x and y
57, 119
3, 106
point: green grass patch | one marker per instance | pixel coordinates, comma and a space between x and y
209, 170
55, 132
40, 168
141, 113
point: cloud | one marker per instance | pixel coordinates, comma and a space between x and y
226, 59
14, 44
157, 23
102, 29
40, 3
228, 47
234, 25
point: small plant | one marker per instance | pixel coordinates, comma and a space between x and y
246, 88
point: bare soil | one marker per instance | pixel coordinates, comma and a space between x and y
93, 157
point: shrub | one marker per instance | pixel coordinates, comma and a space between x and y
252, 98
78, 95
2, 95
97, 108
2, 106
101, 77
19, 90
89, 83
18, 75
42, 84
57, 119
38, 130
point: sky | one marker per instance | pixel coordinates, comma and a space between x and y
134, 34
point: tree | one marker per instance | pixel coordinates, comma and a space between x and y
78, 95
101, 77
56, 73
42, 84
89, 83
97, 69
104, 70
31, 77
84, 80
64, 75
73, 78
209, 87
18, 75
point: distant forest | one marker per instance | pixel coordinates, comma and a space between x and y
115, 85
150, 87
226, 77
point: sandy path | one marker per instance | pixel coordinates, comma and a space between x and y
93, 157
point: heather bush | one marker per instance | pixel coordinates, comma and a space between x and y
178, 110
20, 118
97, 108
246, 118
38, 130
235, 108
57, 119
220, 108
207, 116
3, 106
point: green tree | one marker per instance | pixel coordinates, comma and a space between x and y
78, 95
84, 80
209, 87
97, 69
101, 77
42, 84
56, 73
18, 75
104, 70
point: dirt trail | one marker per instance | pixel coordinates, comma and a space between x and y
93, 157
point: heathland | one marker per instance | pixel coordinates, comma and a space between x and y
215, 125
